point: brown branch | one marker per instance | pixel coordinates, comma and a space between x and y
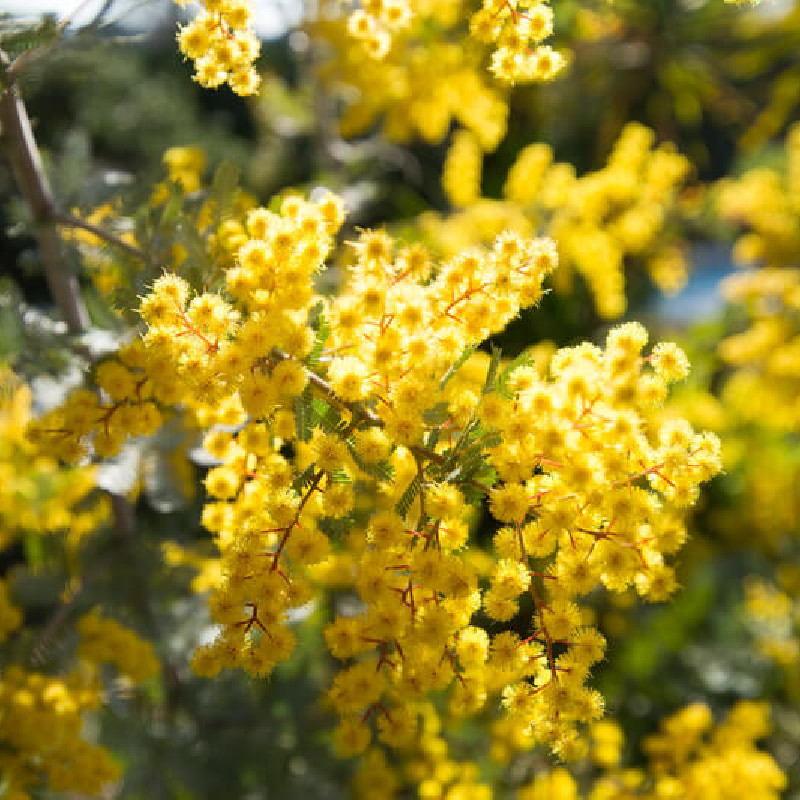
359, 412
35, 188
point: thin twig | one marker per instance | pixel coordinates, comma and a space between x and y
362, 413
71, 221
75, 597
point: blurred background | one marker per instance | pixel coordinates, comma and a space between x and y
718, 84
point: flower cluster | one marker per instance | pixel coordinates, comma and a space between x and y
757, 402
461, 179
689, 758
185, 167
766, 202
773, 615
426, 75
37, 494
766, 355
598, 220
692, 758
428, 764
221, 42
516, 30
102, 421
419, 88
105, 641
375, 22
353, 436
32, 704
445, 517
766, 383
122, 404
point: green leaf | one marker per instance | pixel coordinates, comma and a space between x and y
321, 325
490, 439
491, 373
305, 479
340, 476
303, 415
317, 410
326, 417
197, 266
34, 550
433, 438
463, 441
522, 360
335, 527
437, 415
472, 460
172, 208
223, 185
470, 463
12, 330
381, 471
457, 364
407, 498
472, 494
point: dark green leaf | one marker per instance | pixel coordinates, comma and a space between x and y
326, 417
335, 528
223, 185
407, 498
491, 373
303, 415
437, 415
382, 471
340, 476
305, 479
320, 324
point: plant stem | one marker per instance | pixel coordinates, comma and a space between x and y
71, 221
29, 172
